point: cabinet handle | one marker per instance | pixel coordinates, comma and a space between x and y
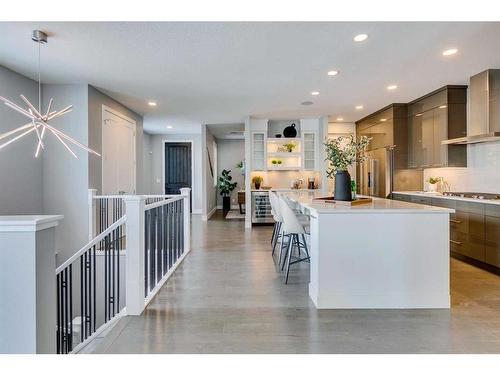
455, 221
456, 242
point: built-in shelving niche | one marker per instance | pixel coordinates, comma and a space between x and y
277, 126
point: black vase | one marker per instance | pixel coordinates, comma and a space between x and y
342, 186
290, 131
226, 203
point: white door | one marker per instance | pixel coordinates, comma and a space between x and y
118, 153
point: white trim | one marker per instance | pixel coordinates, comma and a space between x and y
28, 223
164, 279
196, 212
98, 331
105, 108
163, 165
209, 215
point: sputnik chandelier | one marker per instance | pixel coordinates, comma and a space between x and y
39, 121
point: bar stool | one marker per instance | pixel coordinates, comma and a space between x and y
275, 211
293, 228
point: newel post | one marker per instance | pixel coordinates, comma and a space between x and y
28, 284
92, 214
185, 192
134, 205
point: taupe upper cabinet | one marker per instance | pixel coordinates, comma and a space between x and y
436, 117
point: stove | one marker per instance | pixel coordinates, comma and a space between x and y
486, 196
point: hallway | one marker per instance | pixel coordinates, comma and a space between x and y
226, 297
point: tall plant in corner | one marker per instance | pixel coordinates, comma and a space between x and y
341, 153
225, 187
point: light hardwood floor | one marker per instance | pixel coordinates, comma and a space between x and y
226, 297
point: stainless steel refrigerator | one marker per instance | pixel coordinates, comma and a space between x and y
376, 173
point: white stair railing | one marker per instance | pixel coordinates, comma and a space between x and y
120, 270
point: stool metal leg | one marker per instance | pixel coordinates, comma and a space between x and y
293, 238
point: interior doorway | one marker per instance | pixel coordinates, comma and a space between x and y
178, 164
118, 153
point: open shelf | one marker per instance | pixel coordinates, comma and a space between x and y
285, 168
283, 154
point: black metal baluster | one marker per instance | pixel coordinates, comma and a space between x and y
69, 284
58, 298
146, 226
95, 282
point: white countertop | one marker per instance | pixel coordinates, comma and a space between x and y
441, 196
378, 205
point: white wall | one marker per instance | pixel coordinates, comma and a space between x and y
157, 149
65, 179
147, 163
481, 175
209, 198
231, 152
20, 172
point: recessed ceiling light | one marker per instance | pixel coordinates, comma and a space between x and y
152, 104
315, 93
360, 37
383, 119
450, 52
442, 106
333, 72
359, 107
340, 119
392, 87
169, 127
418, 114
306, 103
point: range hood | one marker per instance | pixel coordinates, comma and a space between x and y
484, 107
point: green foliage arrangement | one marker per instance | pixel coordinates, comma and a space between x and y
342, 152
257, 179
224, 183
433, 180
290, 146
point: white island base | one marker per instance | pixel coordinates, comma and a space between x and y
385, 255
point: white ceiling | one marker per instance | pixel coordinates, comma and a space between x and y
219, 73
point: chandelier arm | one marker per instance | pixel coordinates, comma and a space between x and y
48, 108
60, 113
40, 142
74, 141
4, 135
64, 143
16, 138
33, 109
15, 107
40, 145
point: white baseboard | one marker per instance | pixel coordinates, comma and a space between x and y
209, 215
196, 212
233, 207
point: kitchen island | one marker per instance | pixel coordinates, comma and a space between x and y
382, 255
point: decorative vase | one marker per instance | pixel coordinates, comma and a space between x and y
290, 131
433, 187
342, 186
257, 185
226, 203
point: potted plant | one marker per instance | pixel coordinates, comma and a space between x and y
342, 153
257, 180
225, 188
289, 146
433, 183
241, 166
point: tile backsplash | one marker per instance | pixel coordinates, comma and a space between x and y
481, 175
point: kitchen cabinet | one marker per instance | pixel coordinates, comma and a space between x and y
436, 117
492, 235
309, 153
258, 151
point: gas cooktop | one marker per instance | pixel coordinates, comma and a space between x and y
472, 195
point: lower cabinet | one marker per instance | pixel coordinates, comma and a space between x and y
474, 227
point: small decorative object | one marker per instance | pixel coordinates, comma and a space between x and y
353, 190
342, 153
433, 183
290, 131
274, 161
257, 180
279, 162
289, 146
241, 166
225, 188
278, 135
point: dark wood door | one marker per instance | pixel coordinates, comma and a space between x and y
177, 167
